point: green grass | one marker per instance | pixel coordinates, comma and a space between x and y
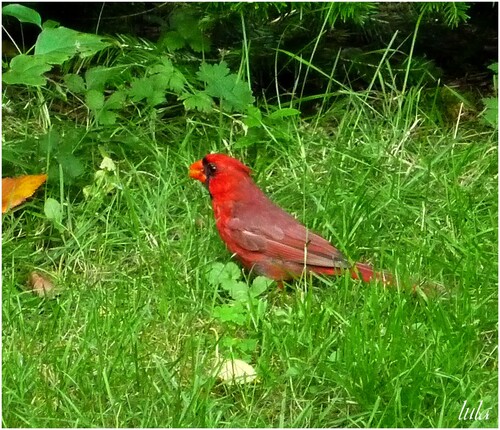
129, 341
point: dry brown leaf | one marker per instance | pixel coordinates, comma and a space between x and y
17, 190
236, 372
41, 285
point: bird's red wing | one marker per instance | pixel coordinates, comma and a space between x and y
287, 241
318, 249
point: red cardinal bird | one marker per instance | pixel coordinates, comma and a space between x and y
265, 238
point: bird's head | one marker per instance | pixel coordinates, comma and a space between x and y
218, 171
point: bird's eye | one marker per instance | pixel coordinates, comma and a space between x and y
212, 168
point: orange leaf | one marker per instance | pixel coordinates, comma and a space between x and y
17, 190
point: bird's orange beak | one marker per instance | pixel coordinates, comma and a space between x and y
196, 171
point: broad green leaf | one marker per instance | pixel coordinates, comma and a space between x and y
75, 83
229, 342
27, 70
254, 117
185, 24
50, 24
166, 67
199, 43
115, 100
240, 97
255, 135
106, 117
140, 89
244, 142
237, 290
219, 272
53, 210
172, 41
151, 88
94, 99
227, 284
165, 75
490, 114
283, 113
66, 143
212, 72
97, 77
214, 273
200, 101
159, 81
61, 43
50, 141
232, 271
248, 345
187, 30
259, 285
23, 14
156, 98
233, 313
177, 82
493, 67
234, 93
71, 165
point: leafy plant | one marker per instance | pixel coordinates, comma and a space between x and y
54, 46
110, 90
490, 113
184, 31
244, 309
219, 82
260, 128
159, 78
23, 14
228, 277
453, 13
57, 149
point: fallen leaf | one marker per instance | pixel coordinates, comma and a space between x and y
235, 372
17, 190
41, 285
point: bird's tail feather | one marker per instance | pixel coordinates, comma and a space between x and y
366, 273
